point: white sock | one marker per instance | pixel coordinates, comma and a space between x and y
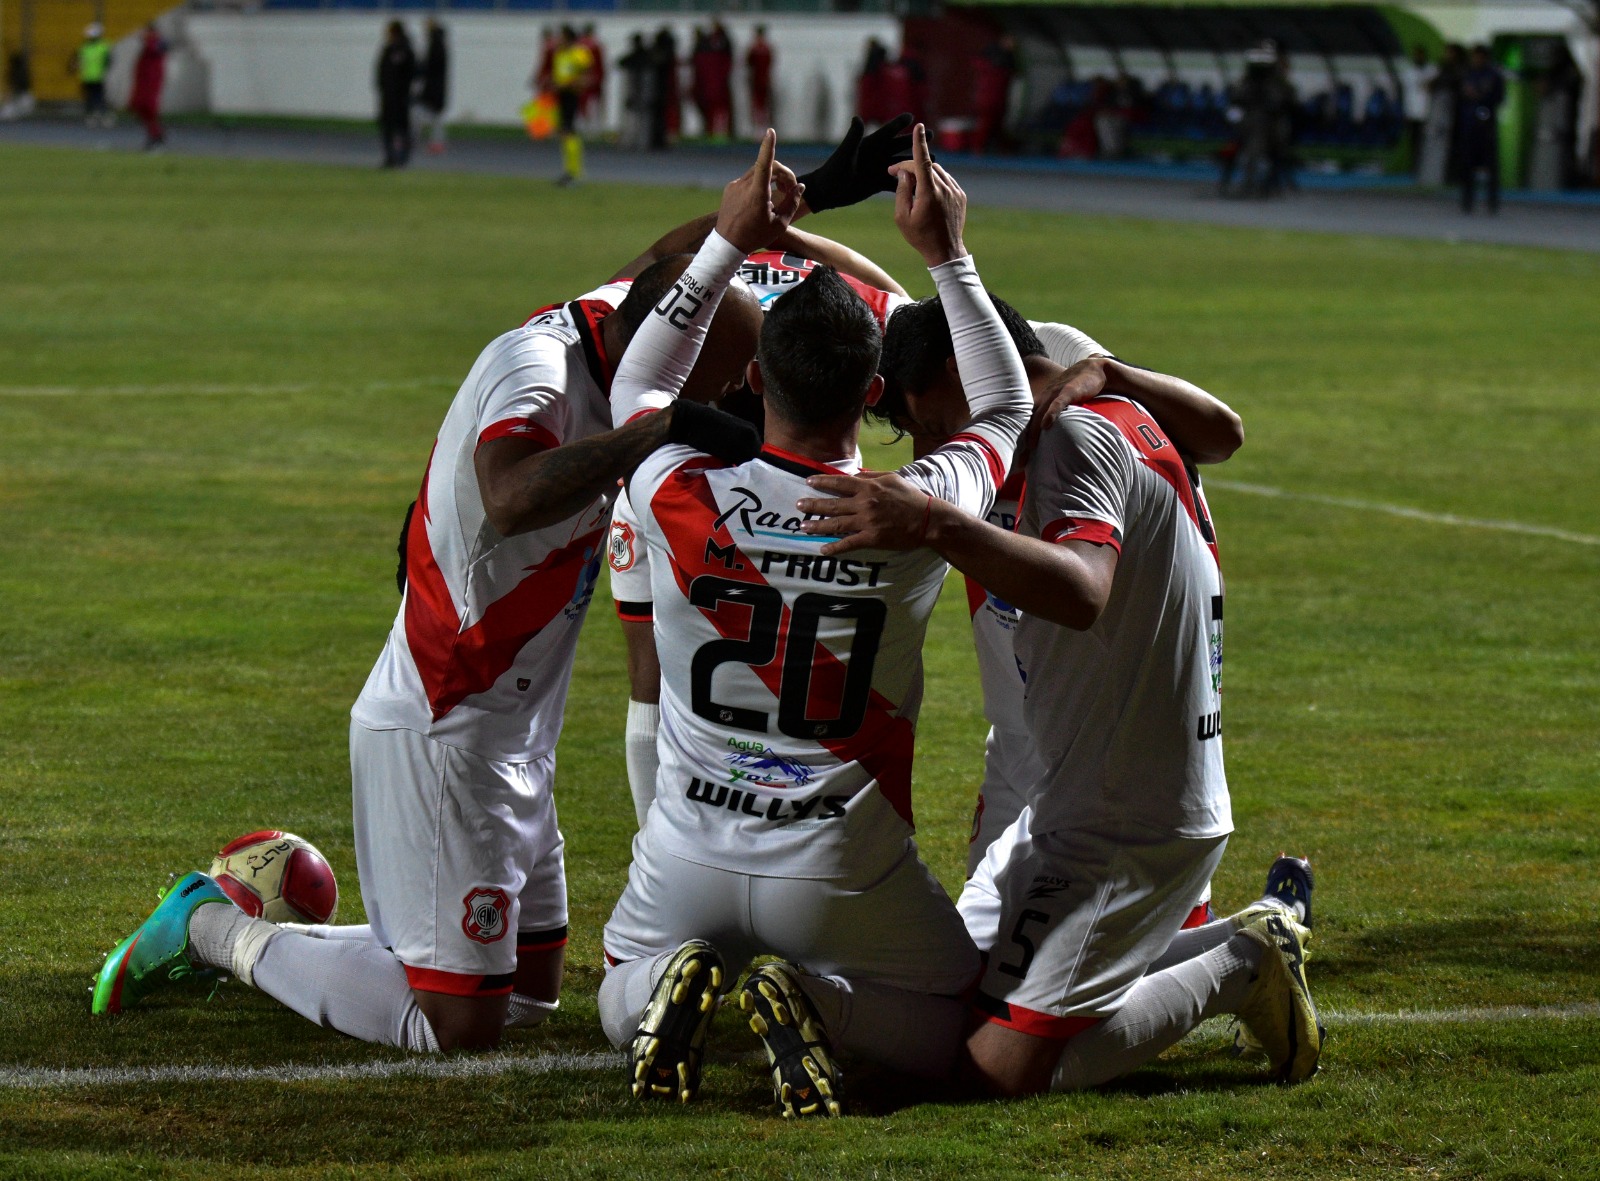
1195, 941
213, 930
911, 1032
527, 1011
639, 748
327, 931
625, 994
1159, 1010
358, 988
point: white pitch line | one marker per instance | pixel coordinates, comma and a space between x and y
223, 389
483, 1066
493, 1065
1467, 1016
1414, 514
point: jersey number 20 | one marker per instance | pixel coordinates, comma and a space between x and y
760, 647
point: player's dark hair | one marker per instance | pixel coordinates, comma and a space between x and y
819, 350
650, 286
917, 344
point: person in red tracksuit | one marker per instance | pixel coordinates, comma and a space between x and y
758, 75
149, 74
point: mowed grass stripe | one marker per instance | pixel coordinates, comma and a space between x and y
1413, 514
489, 1065
220, 389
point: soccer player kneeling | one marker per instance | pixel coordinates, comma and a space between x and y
791, 683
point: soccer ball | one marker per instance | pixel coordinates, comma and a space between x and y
277, 876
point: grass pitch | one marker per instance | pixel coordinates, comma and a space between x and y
218, 385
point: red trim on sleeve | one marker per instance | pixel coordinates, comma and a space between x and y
457, 983
1083, 529
519, 428
997, 470
642, 413
1030, 1021
636, 612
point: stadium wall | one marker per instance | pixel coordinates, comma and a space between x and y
320, 63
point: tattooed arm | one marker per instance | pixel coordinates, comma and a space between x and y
526, 487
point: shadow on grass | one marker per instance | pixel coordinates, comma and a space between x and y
1553, 958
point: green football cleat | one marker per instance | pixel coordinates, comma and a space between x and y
1279, 1018
158, 951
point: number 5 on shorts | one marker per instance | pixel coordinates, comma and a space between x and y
1022, 941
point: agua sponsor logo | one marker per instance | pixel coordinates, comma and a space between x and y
748, 803
758, 764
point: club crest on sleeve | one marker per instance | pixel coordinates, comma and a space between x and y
622, 539
485, 920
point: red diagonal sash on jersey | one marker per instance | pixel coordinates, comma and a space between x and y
456, 662
885, 744
1160, 456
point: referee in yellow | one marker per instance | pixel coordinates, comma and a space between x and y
570, 68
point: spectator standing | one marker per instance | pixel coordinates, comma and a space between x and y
758, 76
91, 64
434, 90
1416, 76
19, 81
396, 72
1438, 164
1483, 89
870, 100
571, 67
639, 101
992, 71
713, 80
149, 74
668, 115
591, 107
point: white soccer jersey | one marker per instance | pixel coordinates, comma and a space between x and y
481, 650
1127, 716
769, 275
994, 621
791, 682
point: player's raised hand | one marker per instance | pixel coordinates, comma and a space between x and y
759, 205
929, 206
859, 166
1076, 386
877, 510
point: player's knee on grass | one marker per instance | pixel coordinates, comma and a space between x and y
538, 973
1008, 1063
464, 1022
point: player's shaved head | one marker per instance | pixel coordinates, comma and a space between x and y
819, 351
730, 340
917, 344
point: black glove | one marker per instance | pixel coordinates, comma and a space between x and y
859, 166
730, 439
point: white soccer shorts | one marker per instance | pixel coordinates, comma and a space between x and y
1070, 921
901, 930
1010, 768
460, 858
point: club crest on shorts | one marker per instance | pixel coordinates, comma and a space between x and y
485, 920
621, 554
